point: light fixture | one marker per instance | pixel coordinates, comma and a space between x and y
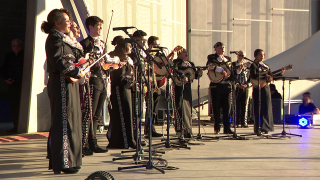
304, 122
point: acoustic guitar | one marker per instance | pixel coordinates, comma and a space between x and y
263, 82
216, 77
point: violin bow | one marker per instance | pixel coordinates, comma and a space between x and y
109, 26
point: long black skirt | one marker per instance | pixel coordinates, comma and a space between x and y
64, 142
266, 114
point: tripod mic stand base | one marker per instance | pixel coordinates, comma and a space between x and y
284, 134
148, 165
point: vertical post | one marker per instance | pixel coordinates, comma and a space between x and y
188, 31
289, 106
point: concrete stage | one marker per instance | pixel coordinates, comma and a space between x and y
284, 158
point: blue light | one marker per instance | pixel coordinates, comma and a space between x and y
303, 122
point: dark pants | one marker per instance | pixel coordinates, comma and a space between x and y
14, 97
241, 105
99, 95
221, 100
153, 106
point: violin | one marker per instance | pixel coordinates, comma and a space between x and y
107, 66
82, 64
111, 63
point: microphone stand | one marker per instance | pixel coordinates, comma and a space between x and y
167, 142
149, 164
284, 133
199, 136
233, 108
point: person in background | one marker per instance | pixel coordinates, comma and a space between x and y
307, 107
274, 92
242, 87
11, 73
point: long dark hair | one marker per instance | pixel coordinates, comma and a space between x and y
116, 39
118, 51
55, 15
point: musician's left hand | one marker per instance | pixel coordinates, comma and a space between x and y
240, 67
200, 72
225, 74
91, 60
185, 80
122, 63
244, 86
269, 78
283, 70
82, 74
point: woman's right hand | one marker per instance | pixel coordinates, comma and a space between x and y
81, 74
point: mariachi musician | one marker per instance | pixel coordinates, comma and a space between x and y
83, 87
183, 107
153, 43
64, 142
266, 76
96, 47
120, 132
242, 83
220, 90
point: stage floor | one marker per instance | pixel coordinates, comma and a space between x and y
254, 159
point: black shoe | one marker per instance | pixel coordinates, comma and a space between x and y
98, 149
77, 167
228, 131
216, 132
155, 134
187, 135
244, 126
143, 143
133, 145
86, 152
70, 170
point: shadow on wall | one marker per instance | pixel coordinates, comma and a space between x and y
44, 115
43, 109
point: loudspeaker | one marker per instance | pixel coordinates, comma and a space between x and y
100, 175
277, 111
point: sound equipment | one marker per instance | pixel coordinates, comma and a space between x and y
100, 175
277, 111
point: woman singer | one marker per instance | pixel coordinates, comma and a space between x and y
120, 132
256, 68
64, 142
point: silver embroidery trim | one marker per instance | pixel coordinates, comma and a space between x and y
64, 121
70, 68
124, 132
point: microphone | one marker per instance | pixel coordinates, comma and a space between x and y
154, 50
235, 52
122, 28
160, 47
